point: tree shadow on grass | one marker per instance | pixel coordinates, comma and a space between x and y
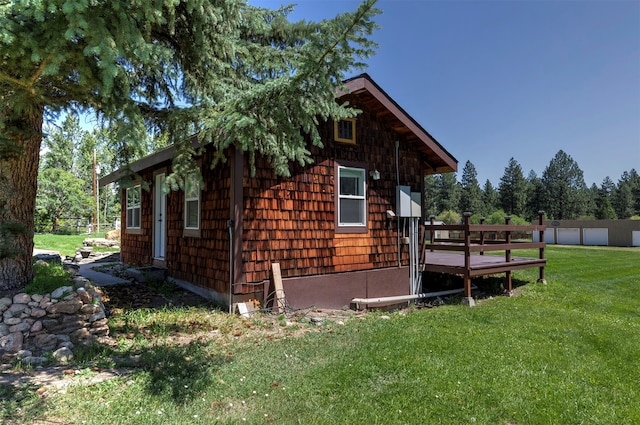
181, 373
16, 401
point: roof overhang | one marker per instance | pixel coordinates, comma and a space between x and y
437, 159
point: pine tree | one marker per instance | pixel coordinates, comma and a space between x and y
239, 75
471, 194
513, 189
534, 196
449, 192
490, 198
564, 188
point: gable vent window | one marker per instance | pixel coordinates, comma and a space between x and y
351, 197
133, 207
345, 130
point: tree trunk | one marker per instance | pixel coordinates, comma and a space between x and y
18, 186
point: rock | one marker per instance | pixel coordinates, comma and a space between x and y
97, 316
12, 321
48, 258
80, 282
7, 314
38, 312
63, 355
4, 329
67, 344
64, 338
36, 327
100, 242
37, 298
34, 360
89, 309
17, 308
50, 323
20, 327
61, 291
81, 333
23, 353
113, 235
68, 307
45, 342
21, 298
12, 343
5, 302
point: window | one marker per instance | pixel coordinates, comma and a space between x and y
192, 202
345, 130
351, 197
133, 207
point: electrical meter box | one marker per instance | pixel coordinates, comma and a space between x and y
403, 201
416, 204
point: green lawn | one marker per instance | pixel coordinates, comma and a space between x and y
66, 244
562, 353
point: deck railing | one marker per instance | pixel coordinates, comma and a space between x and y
474, 240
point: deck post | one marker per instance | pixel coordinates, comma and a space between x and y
468, 299
432, 232
482, 235
507, 253
541, 278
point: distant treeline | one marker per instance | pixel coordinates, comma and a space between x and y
561, 192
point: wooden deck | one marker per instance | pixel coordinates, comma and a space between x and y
479, 265
458, 258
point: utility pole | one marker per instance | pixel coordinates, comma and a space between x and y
95, 193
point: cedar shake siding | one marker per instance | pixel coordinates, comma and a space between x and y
293, 221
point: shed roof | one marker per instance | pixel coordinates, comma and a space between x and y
438, 159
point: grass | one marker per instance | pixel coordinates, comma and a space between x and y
66, 245
566, 352
47, 278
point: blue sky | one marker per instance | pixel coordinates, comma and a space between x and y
491, 80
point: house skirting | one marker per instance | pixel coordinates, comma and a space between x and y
337, 290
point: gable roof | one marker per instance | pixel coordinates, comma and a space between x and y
438, 159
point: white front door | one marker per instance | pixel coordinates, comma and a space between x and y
159, 212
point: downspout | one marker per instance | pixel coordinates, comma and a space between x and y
398, 215
231, 262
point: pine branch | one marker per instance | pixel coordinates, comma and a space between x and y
355, 21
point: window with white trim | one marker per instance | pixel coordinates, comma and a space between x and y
134, 195
352, 197
192, 202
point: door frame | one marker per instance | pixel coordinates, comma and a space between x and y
159, 218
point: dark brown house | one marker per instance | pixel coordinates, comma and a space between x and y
332, 226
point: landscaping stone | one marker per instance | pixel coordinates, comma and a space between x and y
63, 355
21, 298
32, 325
61, 291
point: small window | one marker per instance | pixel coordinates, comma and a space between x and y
351, 197
133, 207
192, 203
345, 130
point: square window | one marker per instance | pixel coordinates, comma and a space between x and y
345, 130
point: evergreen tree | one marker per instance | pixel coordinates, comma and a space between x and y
60, 144
449, 192
564, 188
603, 196
490, 198
239, 75
471, 194
534, 196
513, 189
430, 195
623, 201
